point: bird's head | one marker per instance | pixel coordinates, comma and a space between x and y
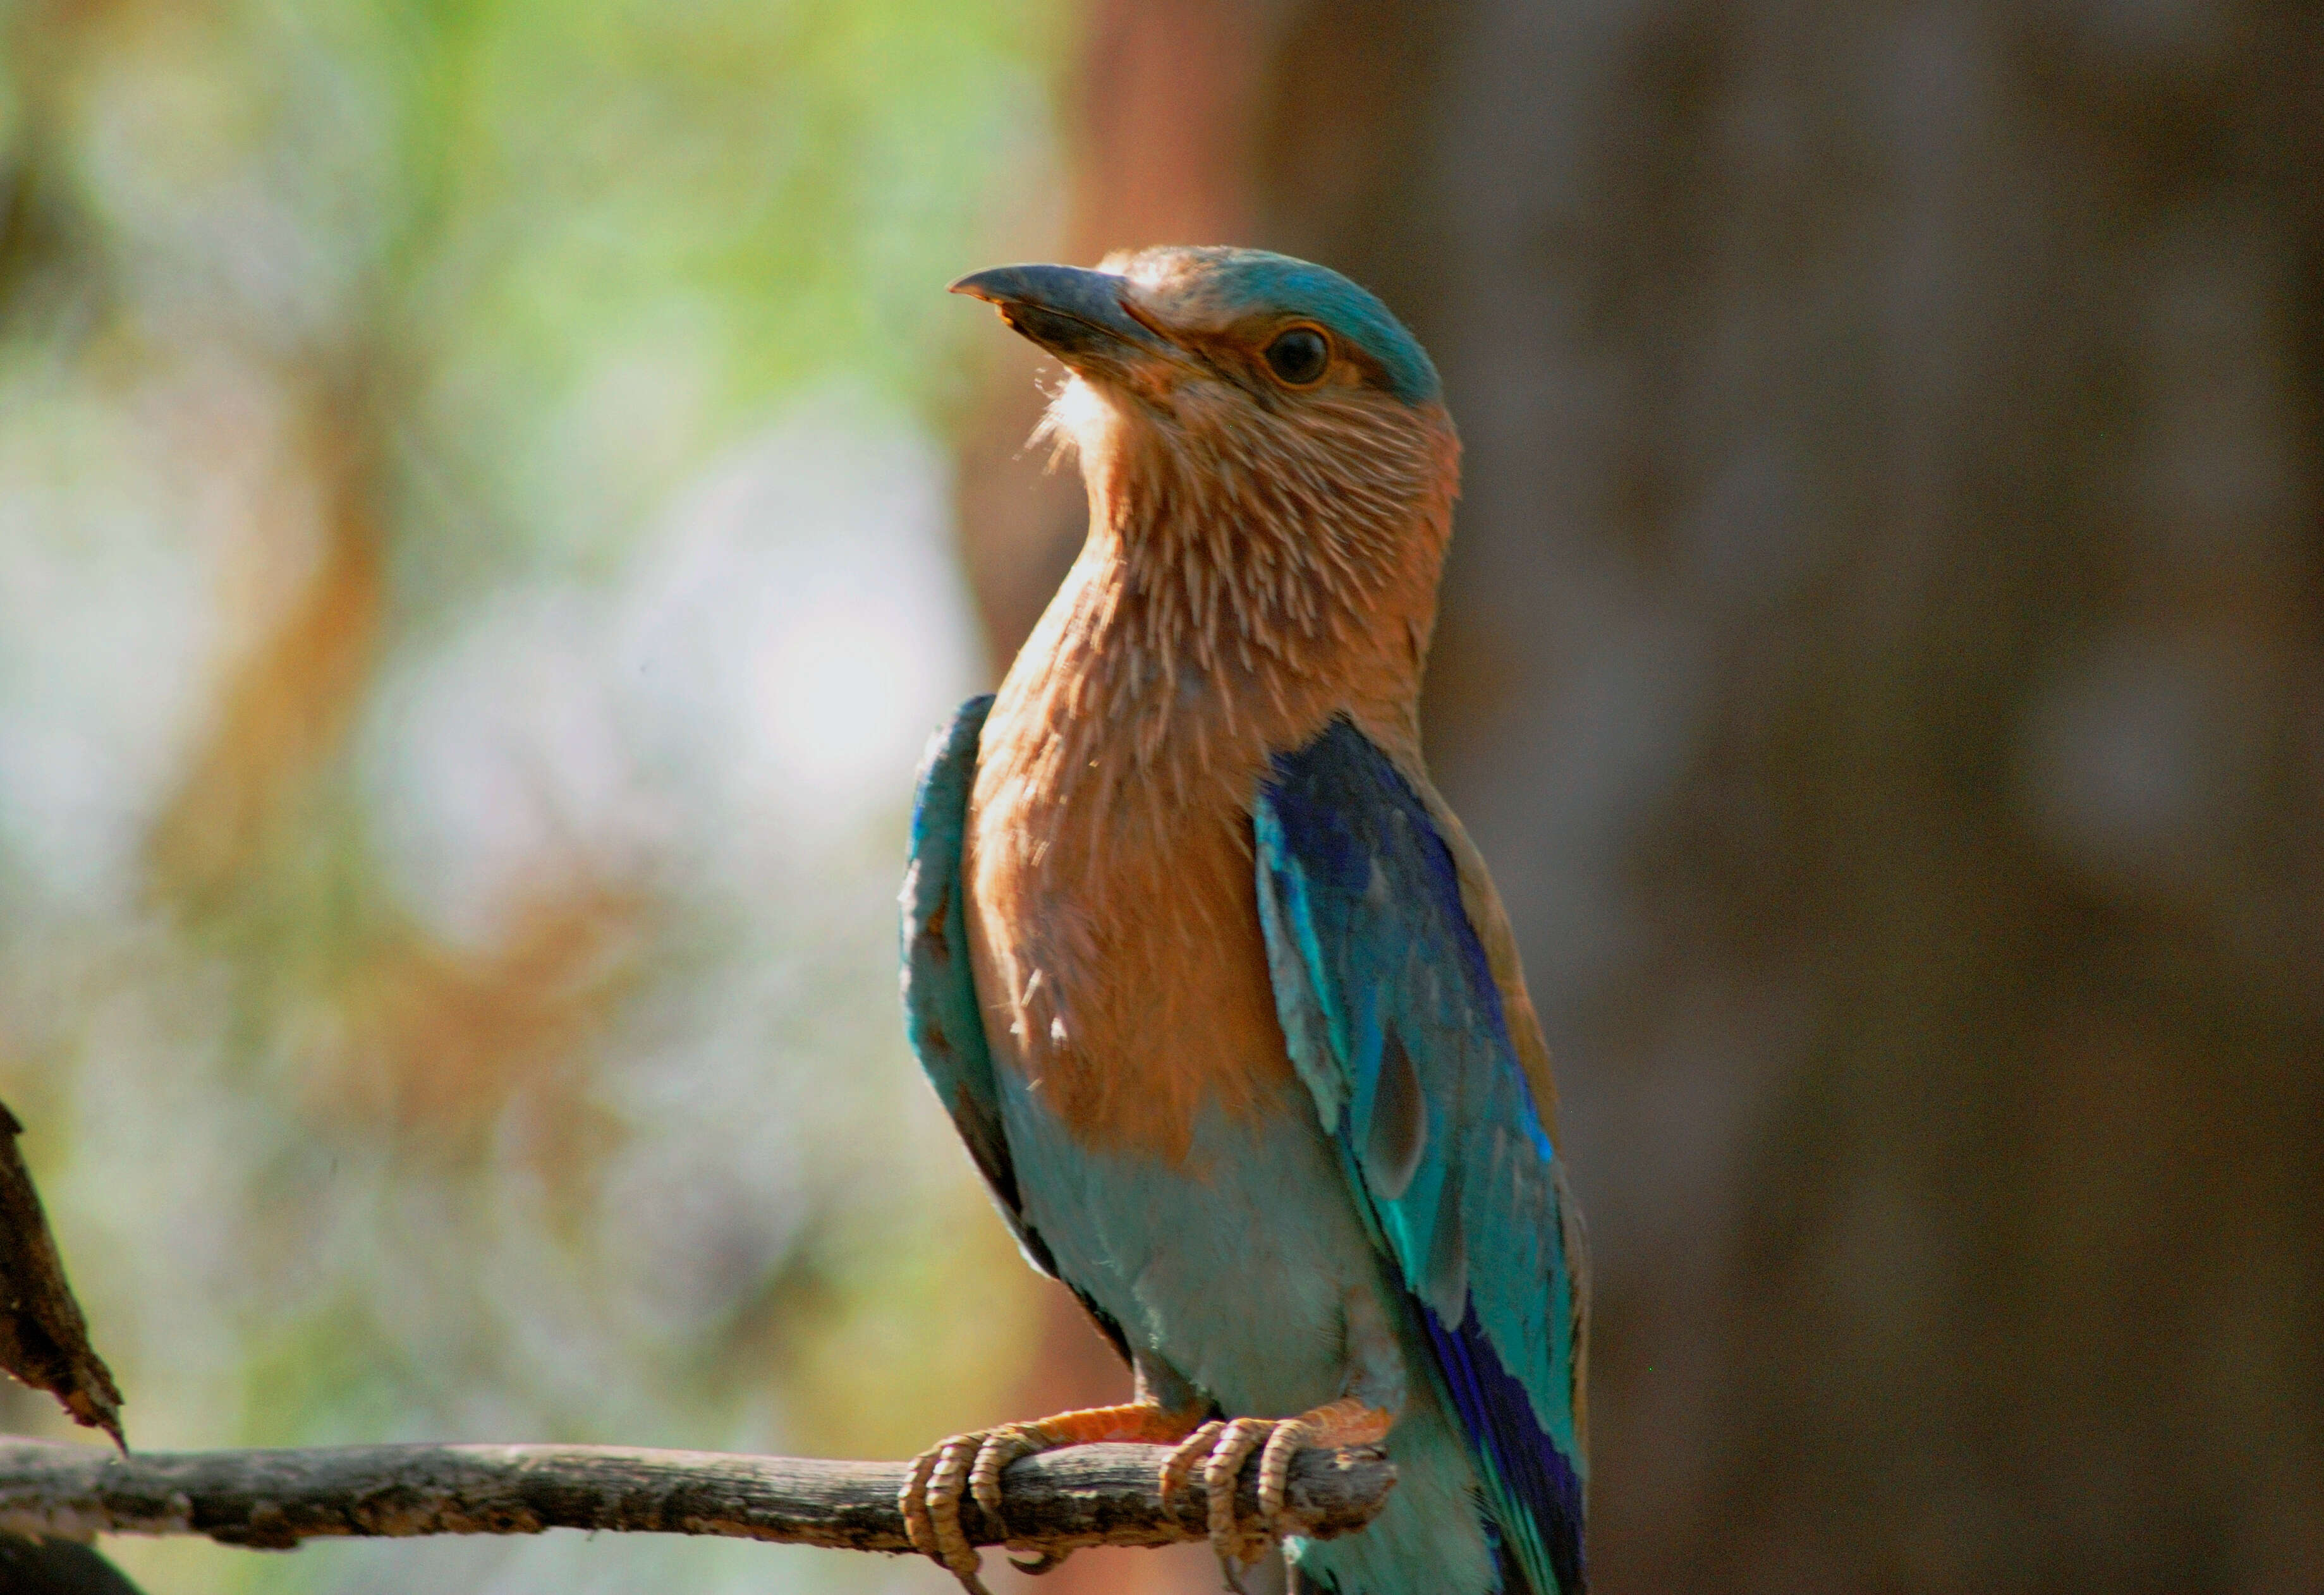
1218, 396
1171, 327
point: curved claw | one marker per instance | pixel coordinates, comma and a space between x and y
999, 1448
1222, 1448
972, 1464
945, 1488
930, 1504
1275, 1468
1220, 1473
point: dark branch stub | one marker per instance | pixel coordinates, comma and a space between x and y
1087, 1495
43, 1338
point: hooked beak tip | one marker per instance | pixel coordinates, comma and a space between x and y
1076, 314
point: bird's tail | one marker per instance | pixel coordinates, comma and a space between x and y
1511, 1577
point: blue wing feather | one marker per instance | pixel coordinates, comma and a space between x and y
1396, 1026
942, 1016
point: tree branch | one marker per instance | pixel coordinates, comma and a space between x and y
43, 1339
1087, 1495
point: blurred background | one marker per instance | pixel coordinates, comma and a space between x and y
492, 496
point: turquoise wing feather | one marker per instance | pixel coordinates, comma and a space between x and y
942, 1016
1396, 1026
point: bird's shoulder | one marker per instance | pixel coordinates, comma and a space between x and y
1342, 765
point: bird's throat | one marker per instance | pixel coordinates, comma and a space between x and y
1238, 589
1215, 617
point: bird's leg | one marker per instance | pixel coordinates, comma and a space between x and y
971, 1465
1375, 1390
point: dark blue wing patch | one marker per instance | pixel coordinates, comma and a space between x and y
1396, 1024
1497, 1414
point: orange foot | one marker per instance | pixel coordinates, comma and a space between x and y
1222, 1448
971, 1465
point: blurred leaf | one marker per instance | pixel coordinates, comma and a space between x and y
411, 579
447, 1040
285, 712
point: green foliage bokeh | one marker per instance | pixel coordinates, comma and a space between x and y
362, 360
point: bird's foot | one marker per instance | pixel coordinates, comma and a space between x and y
970, 1465
1221, 1450
965, 1465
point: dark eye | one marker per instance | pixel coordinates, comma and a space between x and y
1299, 356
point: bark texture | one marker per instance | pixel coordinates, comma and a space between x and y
1089, 1495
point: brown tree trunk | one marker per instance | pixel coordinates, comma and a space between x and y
1883, 662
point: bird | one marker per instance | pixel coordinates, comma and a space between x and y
1216, 989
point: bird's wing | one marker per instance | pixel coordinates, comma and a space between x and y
1397, 1024
941, 1014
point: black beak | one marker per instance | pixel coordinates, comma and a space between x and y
1075, 314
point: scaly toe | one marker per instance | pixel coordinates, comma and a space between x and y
999, 1448
1220, 1473
930, 1503
912, 1501
1002, 1447
1275, 1469
1180, 1463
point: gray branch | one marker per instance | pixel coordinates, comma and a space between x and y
1088, 1495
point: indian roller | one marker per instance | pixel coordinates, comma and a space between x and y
1214, 984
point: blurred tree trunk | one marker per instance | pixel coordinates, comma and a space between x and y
1882, 662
